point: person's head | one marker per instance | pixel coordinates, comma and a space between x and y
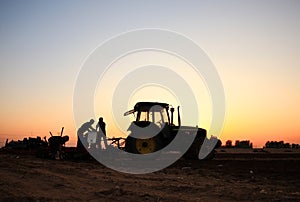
92, 121
100, 119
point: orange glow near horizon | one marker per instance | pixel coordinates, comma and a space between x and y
230, 132
239, 125
249, 114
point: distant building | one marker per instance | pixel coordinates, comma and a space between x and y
280, 144
238, 144
243, 144
228, 144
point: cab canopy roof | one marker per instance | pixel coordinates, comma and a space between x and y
146, 106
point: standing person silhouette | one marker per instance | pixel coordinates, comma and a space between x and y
101, 132
82, 133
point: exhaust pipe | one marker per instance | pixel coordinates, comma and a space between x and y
179, 119
172, 111
62, 130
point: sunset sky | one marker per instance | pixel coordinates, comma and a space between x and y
254, 45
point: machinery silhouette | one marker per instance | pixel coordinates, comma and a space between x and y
154, 118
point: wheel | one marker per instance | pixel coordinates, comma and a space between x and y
143, 146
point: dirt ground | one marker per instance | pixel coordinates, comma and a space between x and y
229, 177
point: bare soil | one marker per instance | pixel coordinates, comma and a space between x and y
229, 177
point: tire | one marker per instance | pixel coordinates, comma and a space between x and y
143, 146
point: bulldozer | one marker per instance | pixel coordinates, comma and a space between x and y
158, 118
